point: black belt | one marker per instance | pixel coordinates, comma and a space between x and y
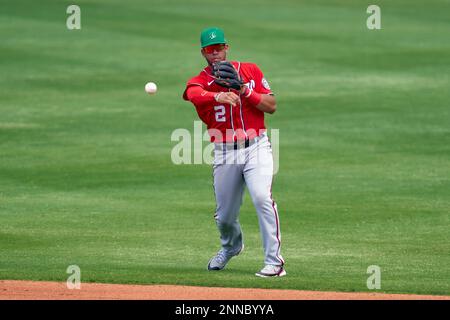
242, 144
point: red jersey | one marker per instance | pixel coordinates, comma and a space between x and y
242, 120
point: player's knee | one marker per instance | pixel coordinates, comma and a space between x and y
261, 199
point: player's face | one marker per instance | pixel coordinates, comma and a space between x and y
215, 53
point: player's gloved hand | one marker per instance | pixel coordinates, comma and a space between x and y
227, 97
226, 75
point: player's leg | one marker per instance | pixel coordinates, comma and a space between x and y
258, 174
229, 188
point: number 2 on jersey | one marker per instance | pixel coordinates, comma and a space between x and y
220, 113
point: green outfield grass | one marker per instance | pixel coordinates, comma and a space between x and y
364, 117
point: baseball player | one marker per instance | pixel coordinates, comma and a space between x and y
231, 99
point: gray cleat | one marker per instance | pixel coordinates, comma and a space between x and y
220, 260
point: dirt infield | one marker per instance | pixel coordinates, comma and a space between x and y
40, 290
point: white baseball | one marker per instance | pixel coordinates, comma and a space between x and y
150, 88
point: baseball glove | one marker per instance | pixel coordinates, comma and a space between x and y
226, 75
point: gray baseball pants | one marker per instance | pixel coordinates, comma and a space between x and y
232, 171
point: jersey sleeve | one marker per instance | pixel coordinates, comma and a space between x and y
261, 84
195, 81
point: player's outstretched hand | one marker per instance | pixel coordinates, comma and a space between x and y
227, 97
